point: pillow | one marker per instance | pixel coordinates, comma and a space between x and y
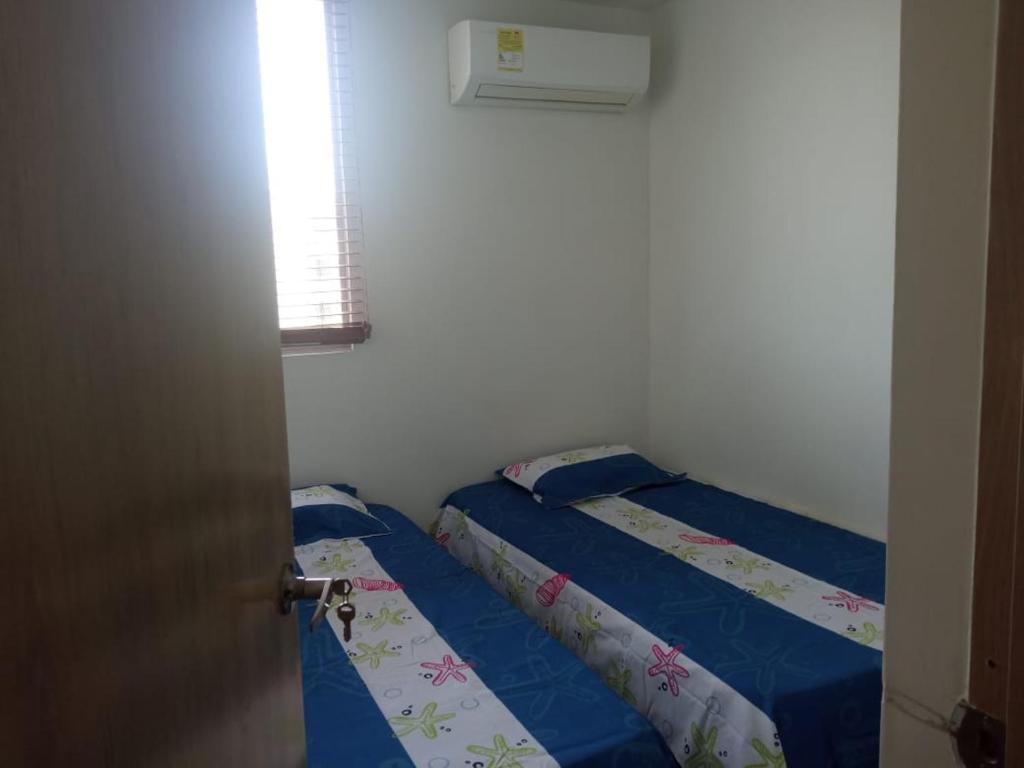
332, 512
604, 470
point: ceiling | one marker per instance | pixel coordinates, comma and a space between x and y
643, 4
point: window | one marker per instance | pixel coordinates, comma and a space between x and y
317, 221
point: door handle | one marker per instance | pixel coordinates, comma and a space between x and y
321, 589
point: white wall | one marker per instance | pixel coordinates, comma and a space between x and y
773, 157
941, 241
507, 271
509, 282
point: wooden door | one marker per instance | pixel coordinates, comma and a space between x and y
143, 466
997, 639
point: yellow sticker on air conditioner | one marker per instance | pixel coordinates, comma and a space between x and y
510, 49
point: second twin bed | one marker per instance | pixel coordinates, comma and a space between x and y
748, 635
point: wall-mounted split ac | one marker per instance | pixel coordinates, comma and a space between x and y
515, 65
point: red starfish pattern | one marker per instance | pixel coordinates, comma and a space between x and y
667, 667
446, 668
852, 602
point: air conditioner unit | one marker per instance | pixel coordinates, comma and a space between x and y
515, 65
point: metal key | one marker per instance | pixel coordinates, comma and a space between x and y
346, 611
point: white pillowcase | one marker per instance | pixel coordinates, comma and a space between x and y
325, 494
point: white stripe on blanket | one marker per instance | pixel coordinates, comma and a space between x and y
437, 706
818, 602
704, 721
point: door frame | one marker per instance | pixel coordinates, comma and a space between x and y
997, 620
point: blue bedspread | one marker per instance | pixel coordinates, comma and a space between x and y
822, 690
552, 693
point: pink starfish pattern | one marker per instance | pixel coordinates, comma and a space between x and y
714, 541
446, 668
376, 585
666, 666
515, 470
852, 603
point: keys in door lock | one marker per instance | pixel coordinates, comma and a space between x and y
346, 611
322, 590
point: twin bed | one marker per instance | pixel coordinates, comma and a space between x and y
440, 671
743, 634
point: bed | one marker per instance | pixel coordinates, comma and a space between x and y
442, 673
749, 636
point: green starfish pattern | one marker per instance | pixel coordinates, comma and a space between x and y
746, 564
334, 563
385, 616
554, 630
589, 627
640, 518
477, 565
499, 562
869, 634
515, 591
618, 680
501, 755
373, 653
572, 457
769, 759
649, 525
703, 749
683, 553
345, 545
635, 513
461, 525
770, 590
426, 722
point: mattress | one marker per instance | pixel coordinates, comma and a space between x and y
440, 672
749, 636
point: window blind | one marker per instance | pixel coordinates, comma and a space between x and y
305, 48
